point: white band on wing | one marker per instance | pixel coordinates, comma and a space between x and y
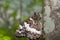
18, 31
20, 26
32, 30
32, 20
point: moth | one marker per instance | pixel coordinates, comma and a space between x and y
30, 28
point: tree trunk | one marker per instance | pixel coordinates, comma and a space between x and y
52, 13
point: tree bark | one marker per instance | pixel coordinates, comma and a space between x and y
52, 7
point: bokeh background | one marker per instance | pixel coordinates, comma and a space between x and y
12, 12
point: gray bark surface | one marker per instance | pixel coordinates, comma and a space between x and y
54, 15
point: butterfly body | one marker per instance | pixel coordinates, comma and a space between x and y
30, 28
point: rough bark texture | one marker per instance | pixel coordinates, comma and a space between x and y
54, 15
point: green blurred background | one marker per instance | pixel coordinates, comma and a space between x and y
10, 16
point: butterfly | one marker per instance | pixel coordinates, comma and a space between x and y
30, 28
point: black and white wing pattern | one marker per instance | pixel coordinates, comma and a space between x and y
31, 28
